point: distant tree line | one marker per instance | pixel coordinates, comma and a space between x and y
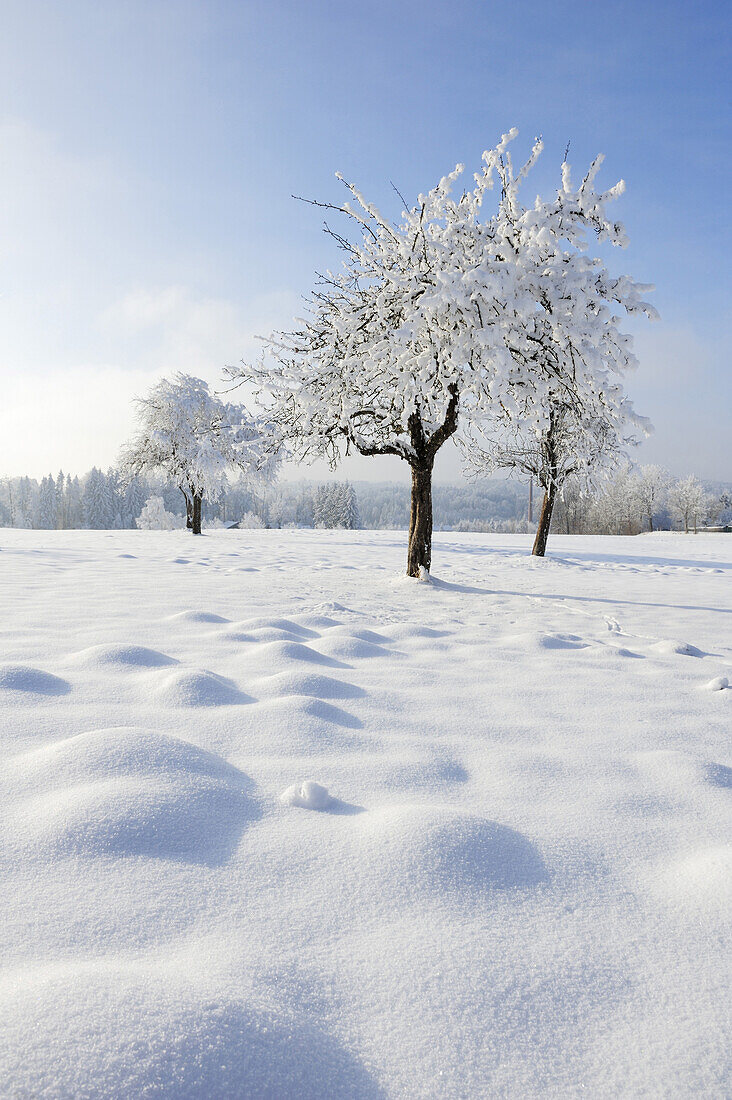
646, 500
105, 501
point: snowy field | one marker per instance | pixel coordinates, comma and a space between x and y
519, 885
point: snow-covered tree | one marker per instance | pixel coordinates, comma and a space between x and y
568, 417
449, 314
349, 511
115, 496
22, 504
133, 501
72, 500
395, 343
97, 502
322, 516
689, 502
724, 511
153, 517
60, 503
618, 509
652, 488
46, 513
193, 437
335, 505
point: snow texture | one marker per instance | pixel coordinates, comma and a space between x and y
295, 826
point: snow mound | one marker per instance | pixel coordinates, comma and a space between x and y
198, 688
364, 635
119, 750
326, 712
537, 640
297, 726
272, 634
286, 626
352, 649
445, 853
307, 795
197, 617
236, 636
32, 680
116, 1033
683, 775
669, 647
699, 881
279, 655
307, 683
316, 622
719, 683
425, 774
406, 631
123, 656
126, 792
329, 606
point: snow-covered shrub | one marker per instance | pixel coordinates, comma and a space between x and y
250, 521
154, 517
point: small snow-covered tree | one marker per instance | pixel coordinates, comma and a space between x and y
652, 489
154, 517
193, 437
569, 418
22, 505
724, 508
350, 511
616, 509
689, 502
115, 497
60, 503
72, 494
46, 513
322, 507
97, 502
133, 500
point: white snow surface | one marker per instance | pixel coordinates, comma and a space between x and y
518, 882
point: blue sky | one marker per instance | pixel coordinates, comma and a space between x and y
150, 151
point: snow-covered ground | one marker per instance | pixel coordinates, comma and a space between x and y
519, 882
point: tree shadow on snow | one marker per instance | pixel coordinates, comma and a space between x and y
452, 586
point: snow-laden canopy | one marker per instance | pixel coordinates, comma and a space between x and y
195, 438
454, 311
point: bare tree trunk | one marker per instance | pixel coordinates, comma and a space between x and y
419, 554
196, 514
189, 508
545, 520
421, 458
650, 522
